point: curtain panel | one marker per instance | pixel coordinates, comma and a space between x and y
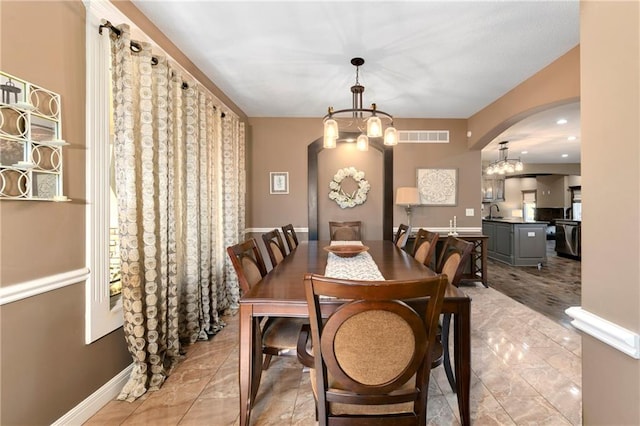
180, 179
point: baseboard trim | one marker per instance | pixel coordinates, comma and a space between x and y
612, 334
26, 289
263, 230
94, 402
441, 230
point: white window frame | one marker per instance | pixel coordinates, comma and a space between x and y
100, 318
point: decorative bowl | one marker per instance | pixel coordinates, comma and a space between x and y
346, 250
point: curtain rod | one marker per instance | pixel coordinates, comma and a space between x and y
136, 47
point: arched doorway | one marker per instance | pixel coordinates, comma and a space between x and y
313, 149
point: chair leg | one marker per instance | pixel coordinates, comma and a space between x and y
267, 361
446, 325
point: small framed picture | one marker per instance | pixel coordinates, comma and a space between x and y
279, 182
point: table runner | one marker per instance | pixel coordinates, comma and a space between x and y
360, 267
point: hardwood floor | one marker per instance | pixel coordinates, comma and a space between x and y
549, 290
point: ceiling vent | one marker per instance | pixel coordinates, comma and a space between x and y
423, 136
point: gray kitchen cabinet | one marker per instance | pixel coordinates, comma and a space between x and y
492, 189
516, 242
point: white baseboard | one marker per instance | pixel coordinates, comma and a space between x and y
442, 230
610, 333
94, 402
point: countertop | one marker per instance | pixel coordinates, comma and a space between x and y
513, 220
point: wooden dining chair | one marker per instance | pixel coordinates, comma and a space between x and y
402, 235
279, 336
345, 231
370, 360
452, 262
424, 246
290, 237
275, 247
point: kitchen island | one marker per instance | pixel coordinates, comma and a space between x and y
515, 241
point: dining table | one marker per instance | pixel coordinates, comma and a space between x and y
281, 293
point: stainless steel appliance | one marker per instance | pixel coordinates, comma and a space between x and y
568, 237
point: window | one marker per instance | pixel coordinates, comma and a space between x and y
103, 300
529, 205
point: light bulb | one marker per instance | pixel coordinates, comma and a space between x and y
391, 136
362, 143
329, 142
331, 129
374, 127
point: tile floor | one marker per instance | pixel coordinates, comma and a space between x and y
526, 370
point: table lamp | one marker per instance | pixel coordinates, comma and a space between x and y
407, 197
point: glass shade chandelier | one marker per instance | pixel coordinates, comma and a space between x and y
367, 120
504, 164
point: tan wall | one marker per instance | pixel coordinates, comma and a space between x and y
550, 191
370, 213
46, 367
280, 144
610, 107
556, 84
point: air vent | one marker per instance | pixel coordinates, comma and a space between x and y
423, 136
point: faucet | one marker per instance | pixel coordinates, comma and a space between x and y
490, 211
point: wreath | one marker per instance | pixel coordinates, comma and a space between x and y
344, 200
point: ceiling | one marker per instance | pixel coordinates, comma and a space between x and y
437, 59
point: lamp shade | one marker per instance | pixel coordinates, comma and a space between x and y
407, 196
391, 136
374, 127
362, 143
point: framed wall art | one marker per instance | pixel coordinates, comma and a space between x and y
438, 187
279, 182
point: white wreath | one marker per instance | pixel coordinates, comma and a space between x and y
344, 200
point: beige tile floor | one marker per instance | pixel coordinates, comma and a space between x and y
526, 370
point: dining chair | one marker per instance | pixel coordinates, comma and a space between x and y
279, 336
275, 247
424, 247
402, 235
345, 231
370, 360
290, 237
452, 262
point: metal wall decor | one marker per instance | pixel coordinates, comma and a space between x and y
30, 142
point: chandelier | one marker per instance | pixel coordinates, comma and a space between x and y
504, 164
366, 120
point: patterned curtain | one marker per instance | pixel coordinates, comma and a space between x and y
180, 170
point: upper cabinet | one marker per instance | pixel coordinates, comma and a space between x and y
492, 189
30, 142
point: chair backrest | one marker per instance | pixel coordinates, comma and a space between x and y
372, 356
275, 246
345, 231
248, 263
424, 246
453, 258
290, 237
402, 235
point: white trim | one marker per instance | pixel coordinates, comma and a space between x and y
262, 230
467, 230
20, 291
610, 333
100, 317
94, 402
444, 230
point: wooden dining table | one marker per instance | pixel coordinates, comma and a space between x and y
281, 294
